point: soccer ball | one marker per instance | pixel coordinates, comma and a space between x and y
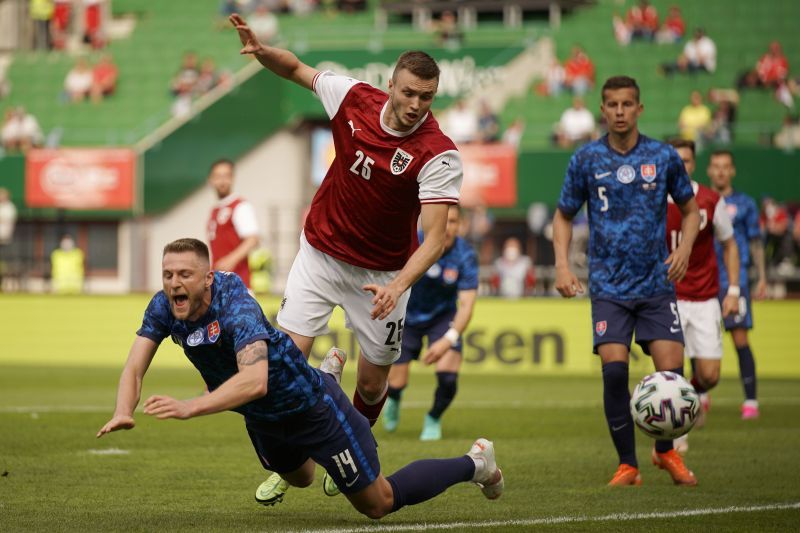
664, 405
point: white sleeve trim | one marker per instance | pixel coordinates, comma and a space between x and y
723, 227
244, 220
440, 179
331, 89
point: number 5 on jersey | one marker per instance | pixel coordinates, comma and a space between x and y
601, 192
365, 162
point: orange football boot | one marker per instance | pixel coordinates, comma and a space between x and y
671, 462
625, 475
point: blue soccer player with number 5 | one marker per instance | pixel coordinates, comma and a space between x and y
625, 178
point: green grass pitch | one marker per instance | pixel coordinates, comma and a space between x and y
201, 474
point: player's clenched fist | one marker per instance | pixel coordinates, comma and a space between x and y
567, 284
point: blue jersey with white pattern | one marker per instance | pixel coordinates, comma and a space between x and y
436, 292
626, 196
233, 320
744, 215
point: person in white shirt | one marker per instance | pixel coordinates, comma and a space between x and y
461, 124
78, 82
699, 55
577, 125
20, 131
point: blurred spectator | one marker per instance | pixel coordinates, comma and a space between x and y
78, 83
788, 137
579, 72
66, 263
642, 20
104, 78
207, 79
622, 32
694, 119
41, 13
770, 72
462, 123
93, 23
184, 80
553, 82
514, 276
182, 106
488, 124
720, 131
576, 126
514, 132
673, 29
778, 246
59, 26
447, 32
699, 55
20, 131
8, 218
264, 24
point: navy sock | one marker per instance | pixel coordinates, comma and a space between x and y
616, 403
395, 394
663, 446
747, 370
422, 480
445, 392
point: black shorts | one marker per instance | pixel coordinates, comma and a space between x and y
434, 330
655, 318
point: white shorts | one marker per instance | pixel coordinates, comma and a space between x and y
702, 329
317, 283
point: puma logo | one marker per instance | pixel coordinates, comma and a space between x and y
353, 128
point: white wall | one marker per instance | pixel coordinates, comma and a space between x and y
272, 177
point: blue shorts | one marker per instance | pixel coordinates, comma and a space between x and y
655, 318
433, 329
332, 433
744, 316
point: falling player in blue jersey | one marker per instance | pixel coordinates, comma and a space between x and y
625, 178
296, 415
744, 214
440, 308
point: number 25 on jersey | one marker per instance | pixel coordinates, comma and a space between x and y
365, 162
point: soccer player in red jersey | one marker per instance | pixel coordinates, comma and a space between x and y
359, 247
698, 306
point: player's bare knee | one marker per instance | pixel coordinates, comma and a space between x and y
376, 510
370, 390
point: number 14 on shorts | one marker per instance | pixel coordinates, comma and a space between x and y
343, 459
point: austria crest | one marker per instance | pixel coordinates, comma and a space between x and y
400, 161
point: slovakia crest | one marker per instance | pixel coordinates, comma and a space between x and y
450, 275
195, 338
648, 172
626, 174
213, 331
400, 161
600, 328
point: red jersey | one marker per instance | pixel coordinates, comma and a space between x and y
231, 221
365, 212
702, 278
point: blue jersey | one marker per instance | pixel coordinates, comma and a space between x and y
436, 293
626, 196
744, 216
233, 320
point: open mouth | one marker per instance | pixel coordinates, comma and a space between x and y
180, 301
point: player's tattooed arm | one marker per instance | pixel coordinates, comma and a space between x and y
252, 354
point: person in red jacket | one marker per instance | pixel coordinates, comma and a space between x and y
232, 227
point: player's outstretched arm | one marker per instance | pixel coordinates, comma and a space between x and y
282, 62
130, 385
730, 250
567, 283
433, 218
678, 260
248, 384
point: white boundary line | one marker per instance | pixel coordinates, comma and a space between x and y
477, 404
616, 517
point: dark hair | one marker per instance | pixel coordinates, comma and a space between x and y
221, 161
683, 143
721, 152
417, 63
188, 245
619, 82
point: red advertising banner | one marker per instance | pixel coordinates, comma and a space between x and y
490, 175
80, 178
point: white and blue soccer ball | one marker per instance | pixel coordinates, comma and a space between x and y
664, 405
